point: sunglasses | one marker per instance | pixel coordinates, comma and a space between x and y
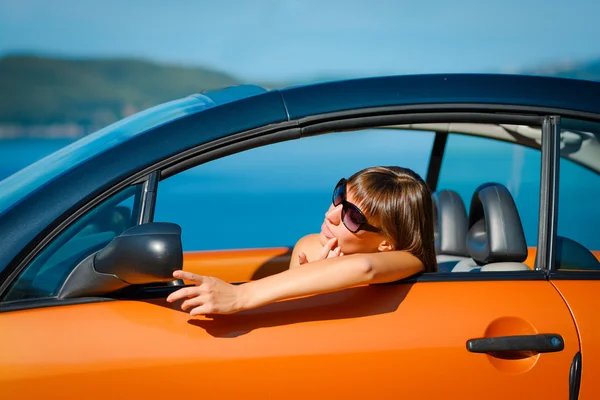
353, 219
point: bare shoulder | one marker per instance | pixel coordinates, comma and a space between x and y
308, 245
311, 240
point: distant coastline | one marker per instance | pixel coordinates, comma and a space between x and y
55, 131
52, 98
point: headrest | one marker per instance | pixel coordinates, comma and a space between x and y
449, 223
495, 230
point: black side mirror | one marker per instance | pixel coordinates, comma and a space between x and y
142, 254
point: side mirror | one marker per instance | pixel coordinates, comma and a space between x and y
142, 254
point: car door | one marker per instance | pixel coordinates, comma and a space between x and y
401, 339
407, 339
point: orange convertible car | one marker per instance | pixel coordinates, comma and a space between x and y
91, 234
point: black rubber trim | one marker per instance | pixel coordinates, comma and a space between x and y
148, 198
316, 126
554, 179
456, 107
575, 275
435, 159
541, 343
477, 276
575, 377
224, 147
136, 211
133, 292
547, 230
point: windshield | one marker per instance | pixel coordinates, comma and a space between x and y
33, 177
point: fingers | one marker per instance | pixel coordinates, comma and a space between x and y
302, 258
329, 250
183, 293
212, 296
335, 253
187, 291
203, 310
329, 246
202, 304
188, 276
194, 301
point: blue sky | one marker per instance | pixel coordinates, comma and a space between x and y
292, 39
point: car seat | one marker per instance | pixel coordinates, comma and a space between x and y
495, 239
449, 229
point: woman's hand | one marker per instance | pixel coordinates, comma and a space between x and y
330, 250
209, 296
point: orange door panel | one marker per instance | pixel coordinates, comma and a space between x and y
582, 298
238, 265
250, 264
384, 341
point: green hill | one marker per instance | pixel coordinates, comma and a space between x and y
41, 91
87, 94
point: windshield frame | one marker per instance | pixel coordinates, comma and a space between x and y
34, 177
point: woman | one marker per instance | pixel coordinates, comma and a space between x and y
378, 229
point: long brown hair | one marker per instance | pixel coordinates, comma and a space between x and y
398, 201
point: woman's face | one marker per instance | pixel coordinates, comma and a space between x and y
349, 243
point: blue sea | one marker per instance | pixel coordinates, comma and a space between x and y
272, 196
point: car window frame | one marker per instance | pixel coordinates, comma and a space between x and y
353, 120
550, 126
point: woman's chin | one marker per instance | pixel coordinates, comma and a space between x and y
322, 238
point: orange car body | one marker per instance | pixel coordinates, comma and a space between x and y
75, 327
364, 341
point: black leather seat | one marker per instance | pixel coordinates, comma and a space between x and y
495, 240
450, 229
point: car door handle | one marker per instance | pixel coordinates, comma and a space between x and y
543, 343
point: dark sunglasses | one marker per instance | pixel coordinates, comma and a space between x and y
352, 217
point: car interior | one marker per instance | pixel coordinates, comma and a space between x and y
490, 239
486, 235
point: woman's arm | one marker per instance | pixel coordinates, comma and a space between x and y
329, 275
212, 295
